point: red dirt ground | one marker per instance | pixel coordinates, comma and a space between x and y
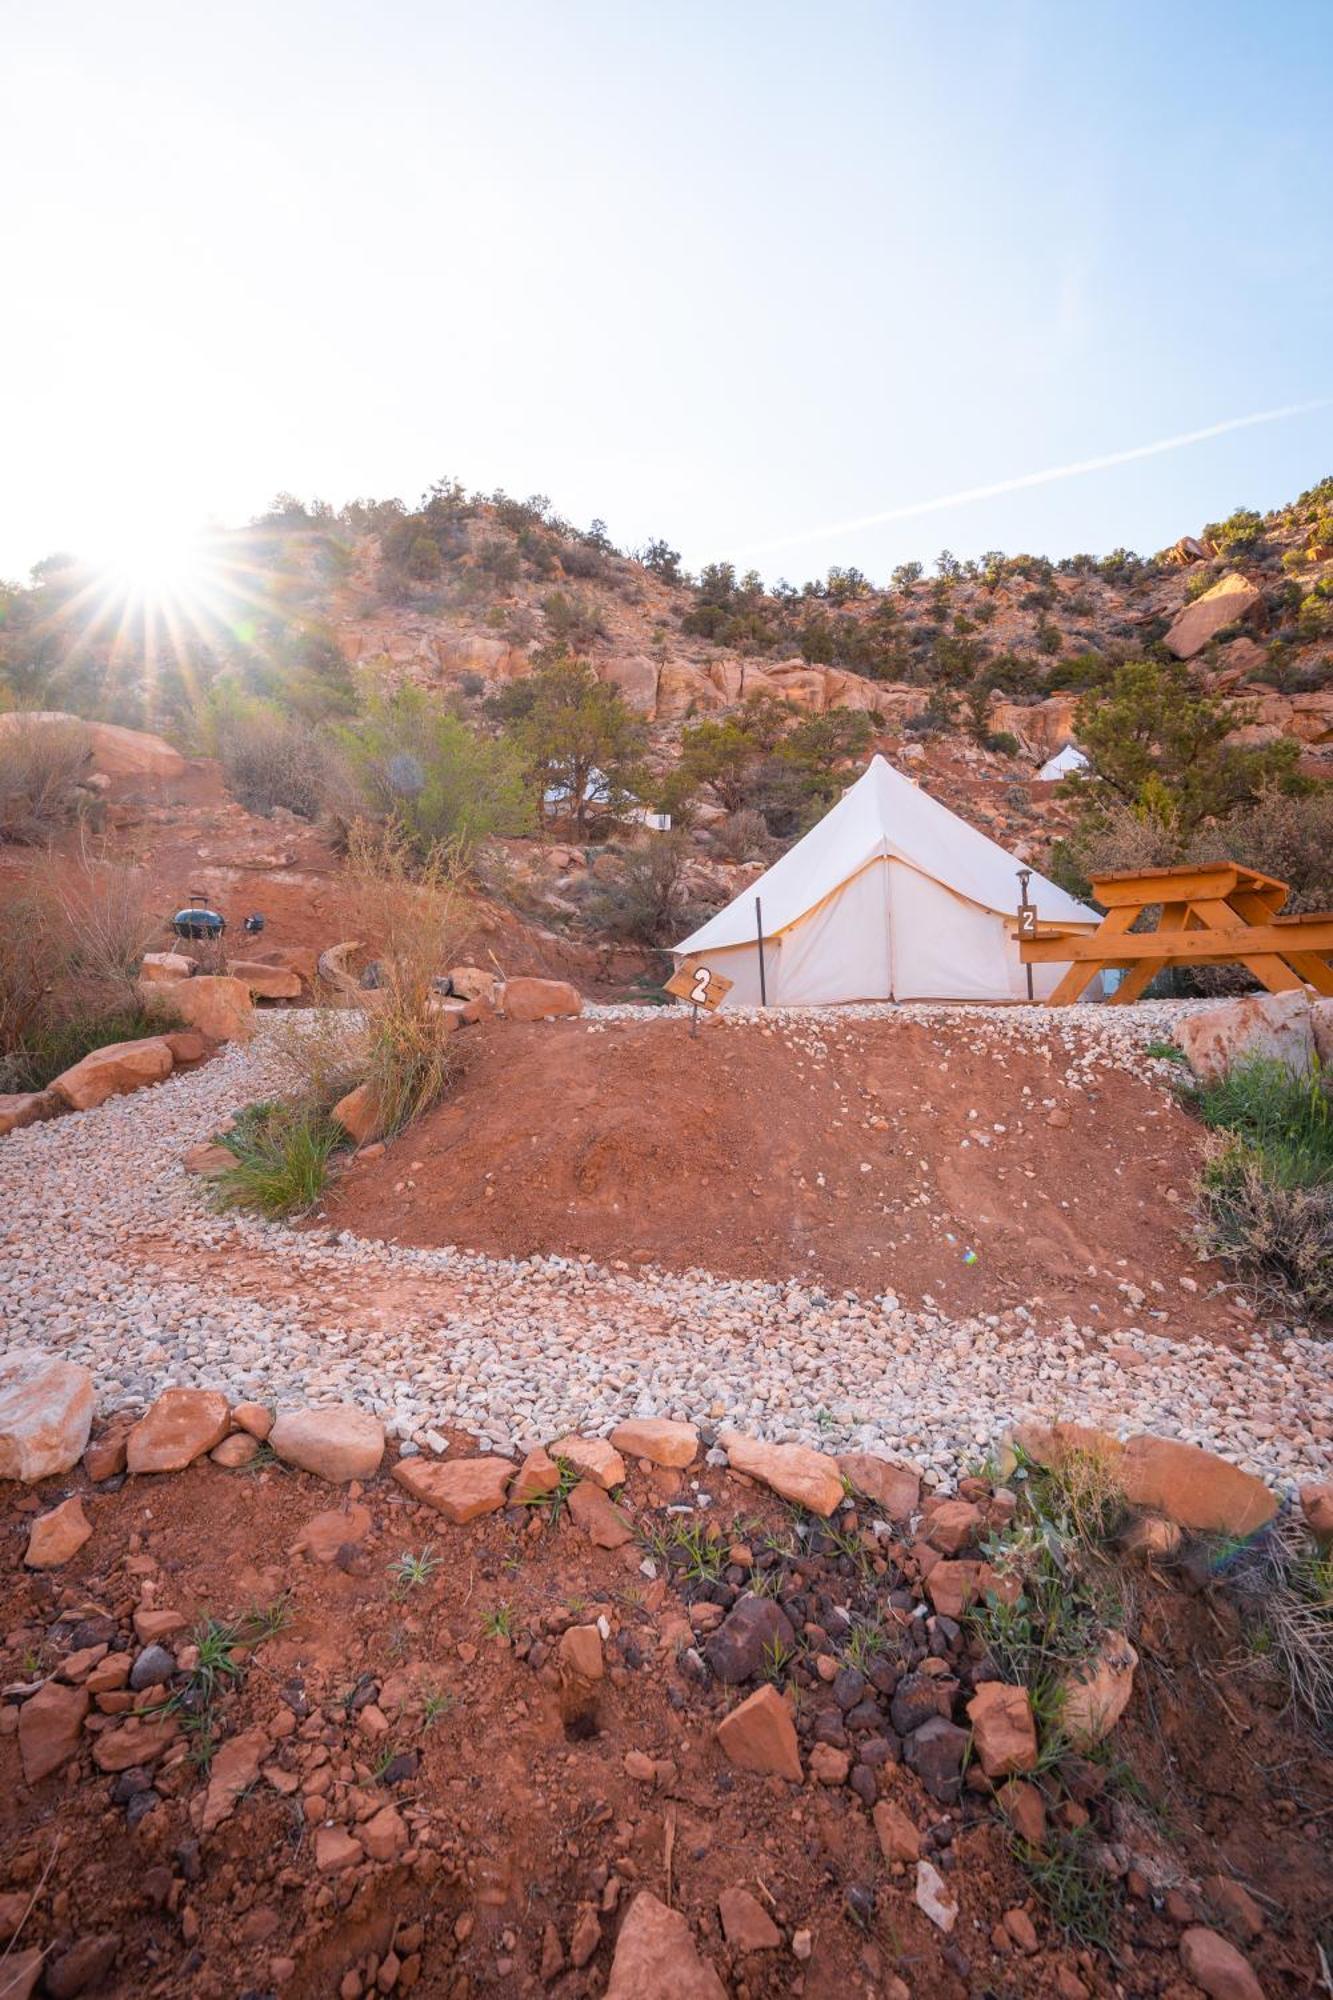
745, 1152
519, 1817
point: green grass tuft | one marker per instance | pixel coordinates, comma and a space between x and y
284, 1156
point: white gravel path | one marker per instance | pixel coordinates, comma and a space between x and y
519, 1351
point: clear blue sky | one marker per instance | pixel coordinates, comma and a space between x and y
726, 273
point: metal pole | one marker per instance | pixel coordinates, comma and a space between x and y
1024, 877
759, 926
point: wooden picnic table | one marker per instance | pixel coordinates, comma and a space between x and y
1217, 913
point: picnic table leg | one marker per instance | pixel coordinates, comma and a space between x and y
1307, 965
1175, 917
1268, 969
1083, 971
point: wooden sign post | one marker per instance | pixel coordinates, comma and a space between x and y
699, 986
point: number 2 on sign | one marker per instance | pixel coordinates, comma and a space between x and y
699, 991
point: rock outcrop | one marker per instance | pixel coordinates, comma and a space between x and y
1229, 600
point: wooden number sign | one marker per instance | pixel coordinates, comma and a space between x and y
698, 985
1027, 920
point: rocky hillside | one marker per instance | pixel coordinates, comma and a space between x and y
972, 672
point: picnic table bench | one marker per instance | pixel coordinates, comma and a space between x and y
1216, 913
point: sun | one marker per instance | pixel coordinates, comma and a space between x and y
152, 562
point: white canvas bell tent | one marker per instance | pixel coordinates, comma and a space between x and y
890, 897
1071, 758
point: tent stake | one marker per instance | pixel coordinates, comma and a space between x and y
759, 926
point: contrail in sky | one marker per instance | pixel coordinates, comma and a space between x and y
1045, 478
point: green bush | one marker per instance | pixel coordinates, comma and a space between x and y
1286, 1118
284, 1155
422, 769
1265, 1200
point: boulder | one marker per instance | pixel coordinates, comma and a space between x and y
592, 1458
1097, 1693
187, 1045
1321, 1025
937, 1752
256, 1418
234, 1768
539, 999
1317, 1507
760, 1736
359, 1114
22, 1969
894, 1489
807, 1477
1003, 1731
1273, 1027
56, 1536
50, 1723
953, 1525
580, 1652
135, 1742
115, 751
28, 1107
658, 1439
636, 677
898, 1836
266, 982
208, 1159
218, 1006
591, 1508
1194, 1488
755, 1628
325, 1535
337, 1441
238, 1448
113, 1072
460, 1488
46, 1413
952, 1586
1230, 599
471, 982
162, 967
536, 1477
178, 1428
746, 1924
81, 1969
1216, 1967
657, 1959
336, 1849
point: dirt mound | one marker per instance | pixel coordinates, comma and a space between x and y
936, 1159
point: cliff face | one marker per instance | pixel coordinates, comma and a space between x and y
471, 629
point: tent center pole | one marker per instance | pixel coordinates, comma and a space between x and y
759, 928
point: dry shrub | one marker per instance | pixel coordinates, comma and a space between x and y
1279, 1236
1289, 837
410, 907
32, 961
744, 836
317, 1054
41, 764
270, 759
647, 900
70, 945
101, 910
